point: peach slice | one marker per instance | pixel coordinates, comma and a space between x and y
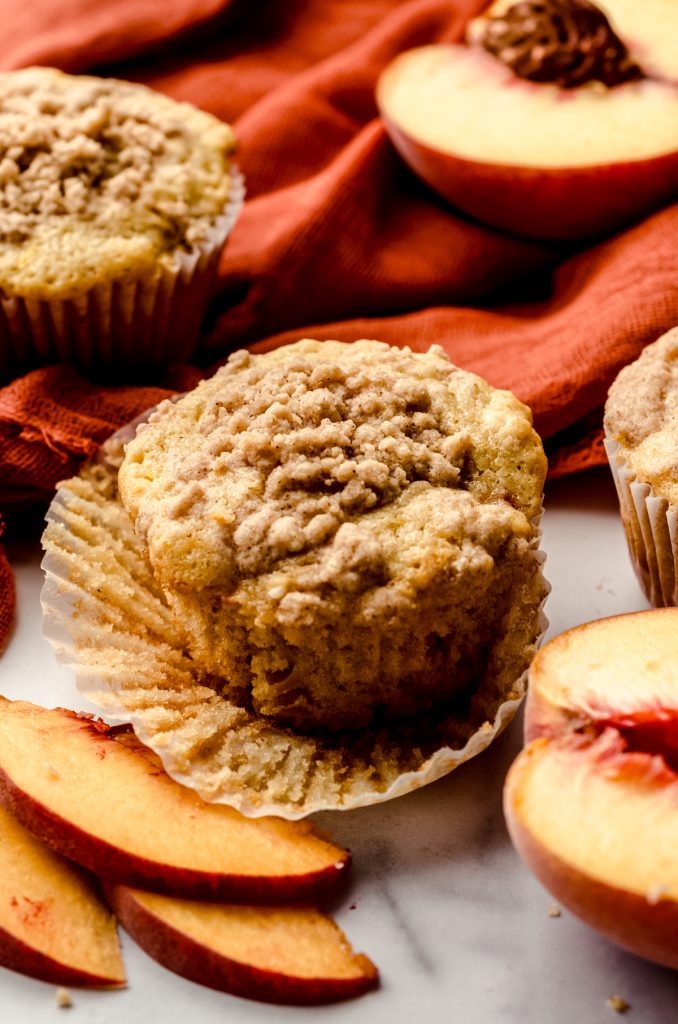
53, 926
274, 954
101, 798
530, 157
592, 801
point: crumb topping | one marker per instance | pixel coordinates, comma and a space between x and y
284, 455
641, 414
107, 152
326, 443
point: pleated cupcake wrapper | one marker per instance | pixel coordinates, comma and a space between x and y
107, 619
651, 526
124, 325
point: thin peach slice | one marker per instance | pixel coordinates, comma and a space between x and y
103, 799
273, 954
592, 801
53, 925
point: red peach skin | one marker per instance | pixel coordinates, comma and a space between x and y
104, 800
549, 203
273, 954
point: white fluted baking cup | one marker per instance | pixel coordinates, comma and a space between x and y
126, 325
651, 527
107, 619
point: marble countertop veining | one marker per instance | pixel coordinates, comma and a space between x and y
460, 930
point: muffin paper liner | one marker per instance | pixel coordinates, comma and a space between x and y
127, 325
107, 618
651, 526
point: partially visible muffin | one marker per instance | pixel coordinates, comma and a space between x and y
346, 532
115, 202
641, 426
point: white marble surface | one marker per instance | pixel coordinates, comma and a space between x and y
458, 927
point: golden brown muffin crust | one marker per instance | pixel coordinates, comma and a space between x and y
641, 415
275, 455
88, 162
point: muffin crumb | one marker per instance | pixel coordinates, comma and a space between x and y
617, 1004
63, 999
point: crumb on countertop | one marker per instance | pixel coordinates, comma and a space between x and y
617, 1004
63, 999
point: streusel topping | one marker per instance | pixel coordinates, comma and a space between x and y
83, 157
641, 414
287, 454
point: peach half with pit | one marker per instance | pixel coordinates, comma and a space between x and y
536, 157
591, 802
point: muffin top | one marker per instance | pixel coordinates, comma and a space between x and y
641, 415
288, 455
100, 178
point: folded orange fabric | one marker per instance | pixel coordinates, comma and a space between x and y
337, 238
7, 599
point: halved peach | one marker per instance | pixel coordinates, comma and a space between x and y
104, 800
274, 954
592, 802
530, 157
53, 925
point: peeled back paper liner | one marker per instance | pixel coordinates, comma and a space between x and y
651, 527
107, 619
126, 324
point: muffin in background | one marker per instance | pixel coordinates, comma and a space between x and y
346, 532
115, 204
641, 439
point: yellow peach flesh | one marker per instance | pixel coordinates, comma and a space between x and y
48, 907
293, 941
460, 101
605, 670
588, 805
592, 802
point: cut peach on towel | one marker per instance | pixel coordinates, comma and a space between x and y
103, 799
529, 156
592, 801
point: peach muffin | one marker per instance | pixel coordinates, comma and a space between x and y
115, 202
345, 531
641, 426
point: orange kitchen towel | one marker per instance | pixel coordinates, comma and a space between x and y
338, 238
7, 598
